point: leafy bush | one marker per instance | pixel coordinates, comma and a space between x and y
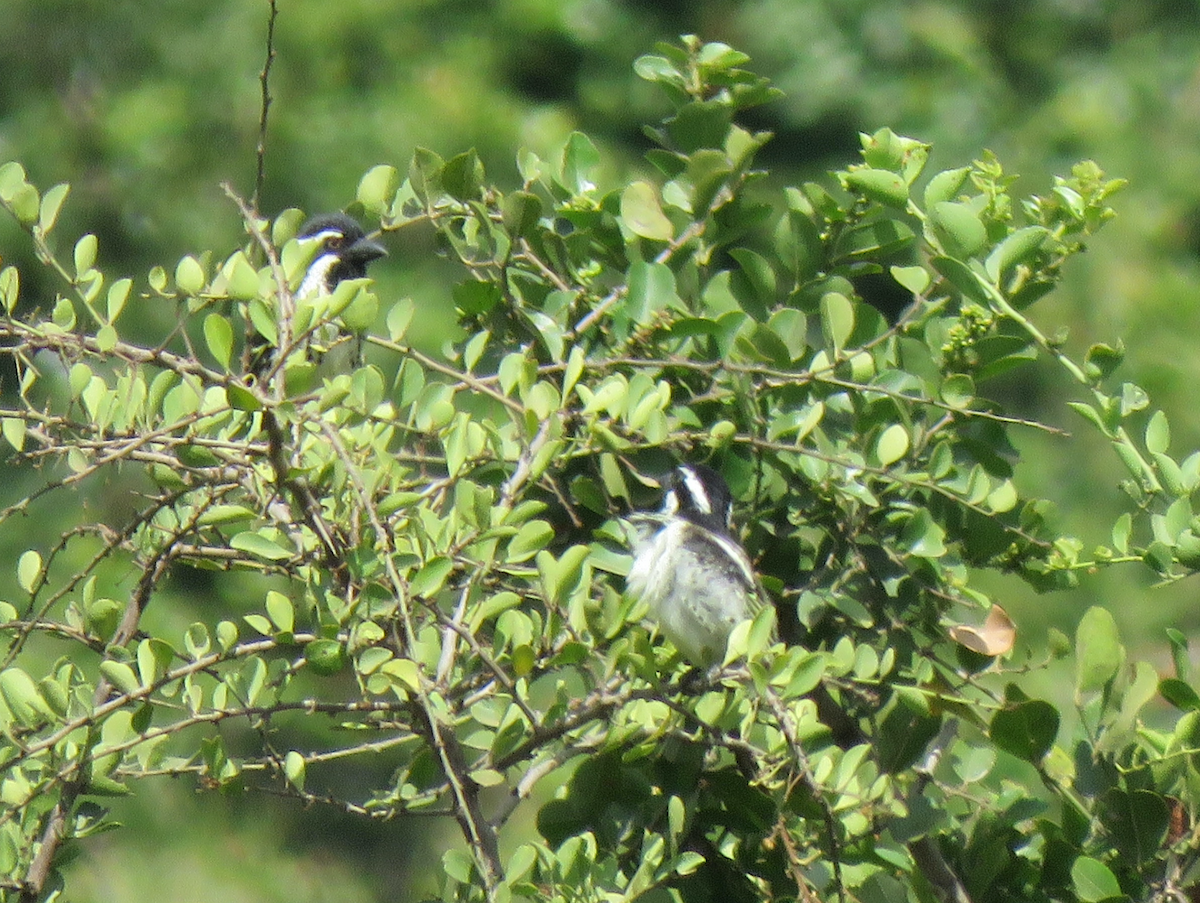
427, 554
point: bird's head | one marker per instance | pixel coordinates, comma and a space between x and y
344, 251
700, 494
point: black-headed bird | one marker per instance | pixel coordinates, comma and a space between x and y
690, 568
343, 252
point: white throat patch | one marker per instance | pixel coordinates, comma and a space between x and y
317, 276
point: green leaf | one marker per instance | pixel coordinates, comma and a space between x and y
651, 289
294, 769
325, 657
717, 57
25, 204
242, 399
85, 253
399, 317
12, 175
280, 611
923, 537
227, 635
1103, 360
431, 577
1179, 652
52, 202
457, 864
377, 188
197, 642
1098, 650
154, 656
1089, 413
425, 175
1180, 694
961, 276
260, 624
753, 282
958, 229
530, 539
521, 211
120, 675
1133, 398
189, 276
790, 327
224, 514
1158, 433
218, 334
106, 338
700, 124
879, 185
463, 176
10, 288
241, 278
13, 429
1136, 821
64, 314
29, 570
958, 390
118, 294
903, 736
579, 158
1093, 881
21, 695
837, 319
1027, 729
642, 213
473, 297
892, 445
1015, 249
945, 186
657, 69
259, 546
915, 279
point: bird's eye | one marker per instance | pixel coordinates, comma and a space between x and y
335, 241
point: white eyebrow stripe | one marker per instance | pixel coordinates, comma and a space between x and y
696, 490
323, 235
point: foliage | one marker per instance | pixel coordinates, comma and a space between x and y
422, 560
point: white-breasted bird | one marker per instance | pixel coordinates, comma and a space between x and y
344, 251
691, 569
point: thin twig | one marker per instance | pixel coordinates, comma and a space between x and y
260, 151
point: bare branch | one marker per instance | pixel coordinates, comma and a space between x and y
260, 151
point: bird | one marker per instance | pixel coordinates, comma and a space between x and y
343, 252
691, 569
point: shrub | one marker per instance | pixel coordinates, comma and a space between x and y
428, 552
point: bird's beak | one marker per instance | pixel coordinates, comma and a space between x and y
365, 250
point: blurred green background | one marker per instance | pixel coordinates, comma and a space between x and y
145, 107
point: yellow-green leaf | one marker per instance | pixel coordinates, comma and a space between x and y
219, 336
642, 213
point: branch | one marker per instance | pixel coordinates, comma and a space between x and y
260, 150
